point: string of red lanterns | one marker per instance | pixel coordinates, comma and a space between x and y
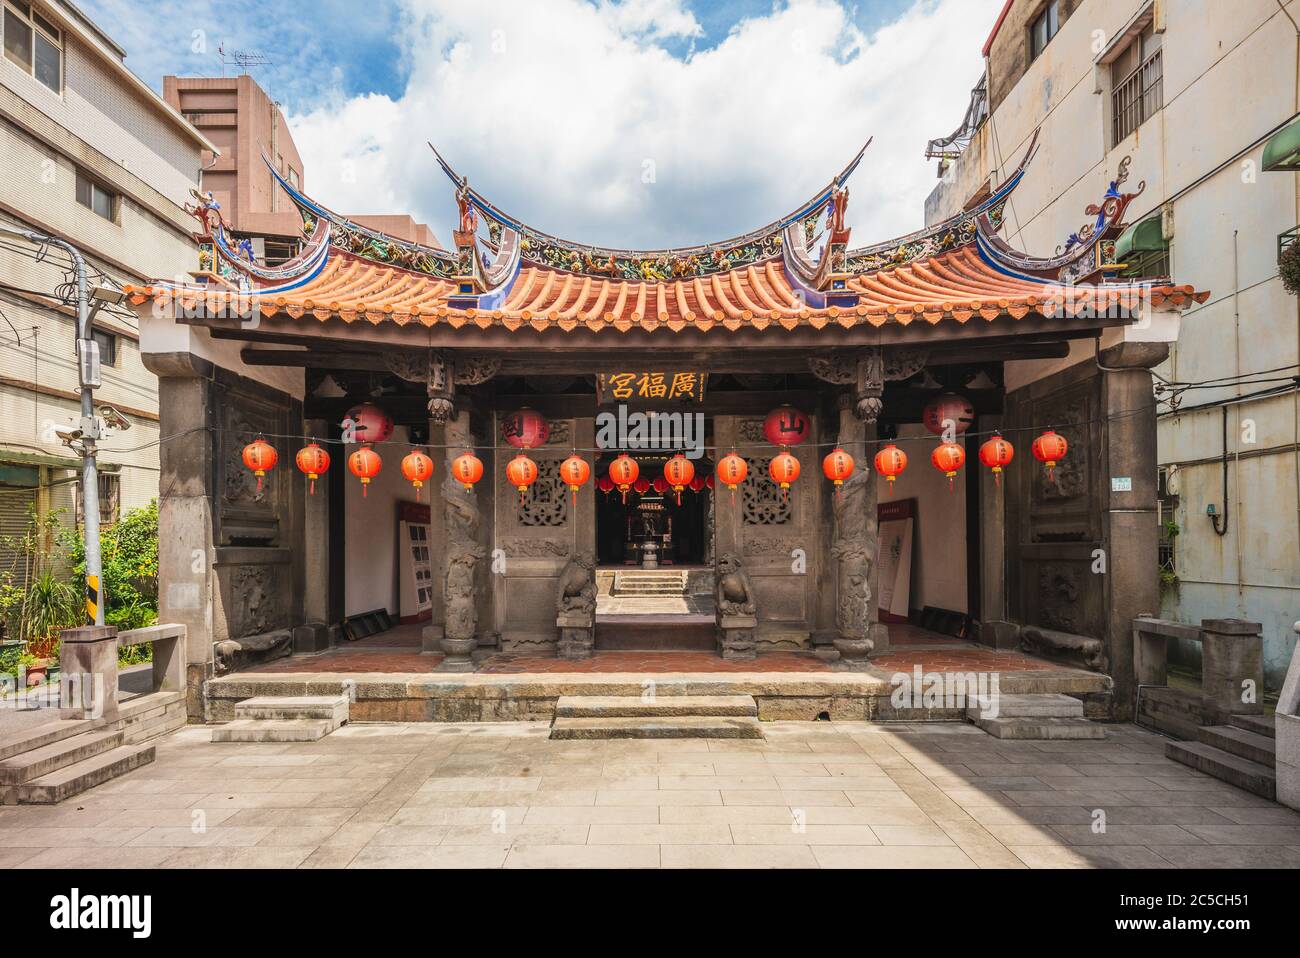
521, 472
997, 454
417, 468
1049, 449
837, 466
313, 462
948, 458
365, 465
623, 472
575, 472
261, 457
467, 469
890, 463
679, 472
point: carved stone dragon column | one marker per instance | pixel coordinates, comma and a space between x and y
463, 554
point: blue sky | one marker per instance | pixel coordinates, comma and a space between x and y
618, 122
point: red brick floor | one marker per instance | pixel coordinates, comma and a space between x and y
514, 663
963, 658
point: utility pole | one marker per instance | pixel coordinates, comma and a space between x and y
83, 439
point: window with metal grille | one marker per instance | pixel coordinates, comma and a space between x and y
1137, 85
110, 494
34, 44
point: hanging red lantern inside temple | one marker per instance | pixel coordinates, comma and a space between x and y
838, 466
997, 454
365, 465
784, 470
575, 472
786, 426
417, 467
623, 472
679, 471
660, 485
525, 429
642, 485
1049, 449
948, 409
732, 470
948, 457
605, 484
700, 483
313, 462
521, 472
708, 480
467, 469
367, 423
890, 463
261, 457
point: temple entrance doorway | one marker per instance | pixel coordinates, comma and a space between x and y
654, 556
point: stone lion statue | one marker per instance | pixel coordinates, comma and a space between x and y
735, 591
576, 591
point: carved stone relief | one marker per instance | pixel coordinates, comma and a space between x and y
546, 503
762, 501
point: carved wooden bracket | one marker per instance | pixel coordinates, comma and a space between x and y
867, 370
441, 372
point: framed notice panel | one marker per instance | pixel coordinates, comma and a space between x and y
897, 520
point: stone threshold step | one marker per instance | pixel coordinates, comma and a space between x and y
48, 758
632, 706
287, 707
273, 730
1043, 727
74, 779
1028, 705
1259, 724
46, 734
1225, 766
666, 727
1243, 744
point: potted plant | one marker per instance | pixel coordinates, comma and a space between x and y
36, 669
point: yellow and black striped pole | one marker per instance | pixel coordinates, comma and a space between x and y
92, 599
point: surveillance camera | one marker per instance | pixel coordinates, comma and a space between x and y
68, 436
114, 419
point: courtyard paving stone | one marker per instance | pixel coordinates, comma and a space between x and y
825, 794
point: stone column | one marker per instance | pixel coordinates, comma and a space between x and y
314, 635
857, 617
993, 629
464, 552
1232, 667
1131, 529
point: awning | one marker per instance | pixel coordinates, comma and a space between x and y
1144, 237
1282, 154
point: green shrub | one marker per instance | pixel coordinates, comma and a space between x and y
129, 555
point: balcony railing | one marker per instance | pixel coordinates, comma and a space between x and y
1138, 98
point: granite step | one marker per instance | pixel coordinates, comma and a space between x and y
1248, 745
41, 735
332, 708
273, 730
1031, 705
1233, 769
1259, 724
680, 726
74, 779
1043, 727
632, 706
33, 764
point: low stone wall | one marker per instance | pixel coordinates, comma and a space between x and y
532, 698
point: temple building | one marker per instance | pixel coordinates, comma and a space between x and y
722, 423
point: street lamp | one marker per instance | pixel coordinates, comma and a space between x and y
89, 429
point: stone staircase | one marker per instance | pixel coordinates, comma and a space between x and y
64, 757
1241, 753
272, 718
665, 716
629, 583
1035, 716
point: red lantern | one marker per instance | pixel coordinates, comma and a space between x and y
605, 484
660, 485
945, 409
948, 457
261, 457
365, 465
679, 471
417, 467
890, 463
521, 472
525, 429
838, 466
784, 469
368, 423
623, 472
642, 485
997, 453
699, 483
786, 426
467, 469
575, 472
1049, 449
312, 461
708, 480
732, 471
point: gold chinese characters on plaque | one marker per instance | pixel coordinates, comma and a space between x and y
651, 386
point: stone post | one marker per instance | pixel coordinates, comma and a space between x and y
463, 554
88, 673
993, 629
314, 635
1232, 667
1131, 532
857, 617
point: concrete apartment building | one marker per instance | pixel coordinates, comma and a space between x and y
93, 156
1137, 81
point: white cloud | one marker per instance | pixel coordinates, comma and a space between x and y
558, 110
